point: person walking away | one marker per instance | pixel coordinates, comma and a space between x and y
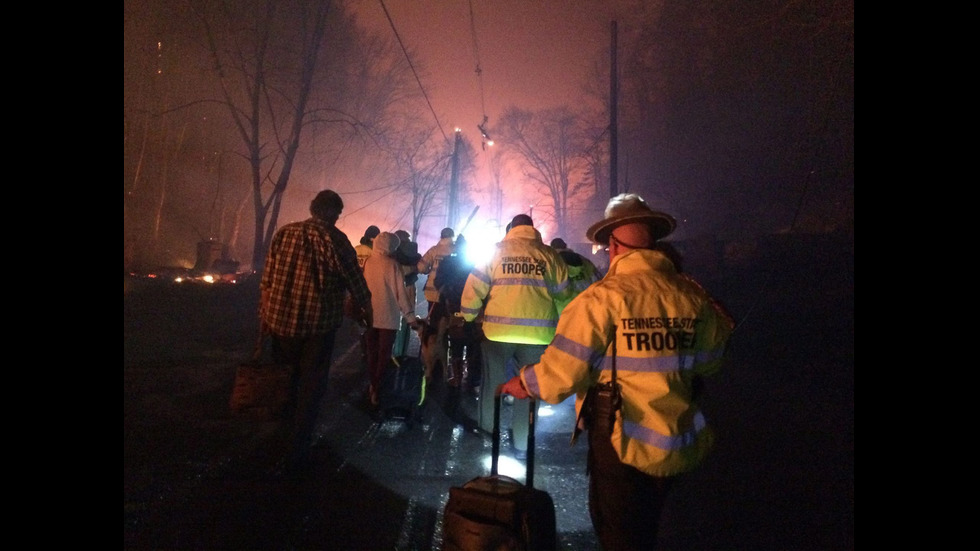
309, 268
518, 290
429, 265
408, 258
363, 248
390, 304
581, 271
663, 332
463, 337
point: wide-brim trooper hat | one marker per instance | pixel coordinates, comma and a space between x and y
630, 208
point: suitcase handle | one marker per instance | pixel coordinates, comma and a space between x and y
494, 478
495, 450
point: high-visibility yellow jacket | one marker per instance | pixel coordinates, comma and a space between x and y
579, 277
667, 330
517, 289
363, 252
429, 264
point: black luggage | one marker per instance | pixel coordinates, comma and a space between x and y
402, 388
262, 385
497, 512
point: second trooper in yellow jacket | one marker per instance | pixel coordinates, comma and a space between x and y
519, 291
581, 271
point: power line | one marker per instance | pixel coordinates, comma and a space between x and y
476, 55
412, 66
479, 75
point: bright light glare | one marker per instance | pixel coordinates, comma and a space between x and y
479, 254
545, 411
480, 245
507, 466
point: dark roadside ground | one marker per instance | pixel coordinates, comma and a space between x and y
197, 478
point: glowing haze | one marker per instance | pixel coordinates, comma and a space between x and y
532, 54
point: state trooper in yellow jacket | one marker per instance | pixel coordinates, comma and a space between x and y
518, 291
668, 334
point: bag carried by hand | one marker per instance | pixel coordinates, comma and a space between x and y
261, 387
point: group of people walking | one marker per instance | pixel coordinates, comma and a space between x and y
632, 346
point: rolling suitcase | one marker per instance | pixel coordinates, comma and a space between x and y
402, 388
497, 512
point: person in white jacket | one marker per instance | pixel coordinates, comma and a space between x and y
391, 303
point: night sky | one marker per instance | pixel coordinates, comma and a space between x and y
746, 127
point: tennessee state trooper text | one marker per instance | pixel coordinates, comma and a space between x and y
679, 338
523, 265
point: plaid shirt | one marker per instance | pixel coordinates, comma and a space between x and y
309, 268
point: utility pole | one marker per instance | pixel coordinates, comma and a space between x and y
451, 211
613, 125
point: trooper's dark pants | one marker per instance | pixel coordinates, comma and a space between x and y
466, 337
495, 357
624, 503
311, 358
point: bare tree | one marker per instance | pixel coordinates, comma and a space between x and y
423, 174
268, 107
597, 174
422, 160
155, 147
552, 149
496, 191
282, 67
294, 89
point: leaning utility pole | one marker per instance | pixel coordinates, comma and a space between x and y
454, 185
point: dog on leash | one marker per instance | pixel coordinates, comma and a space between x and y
433, 347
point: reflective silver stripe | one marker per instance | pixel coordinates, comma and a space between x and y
664, 442
529, 322
531, 282
576, 350
531, 381
524, 281
479, 274
473, 311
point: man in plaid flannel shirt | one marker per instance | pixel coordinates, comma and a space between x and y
310, 267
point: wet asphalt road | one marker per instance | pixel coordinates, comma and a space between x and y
196, 478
